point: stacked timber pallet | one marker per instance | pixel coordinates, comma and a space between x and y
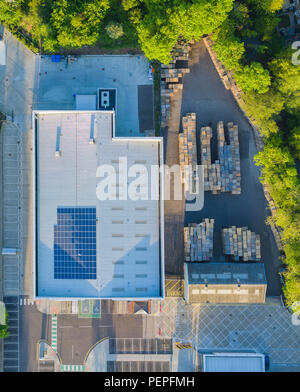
188, 153
212, 180
224, 175
235, 156
171, 77
241, 243
198, 241
229, 157
181, 50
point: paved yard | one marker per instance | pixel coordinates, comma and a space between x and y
204, 94
262, 328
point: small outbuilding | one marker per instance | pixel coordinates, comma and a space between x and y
225, 282
234, 362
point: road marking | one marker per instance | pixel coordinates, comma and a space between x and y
54, 332
73, 368
26, 301
66, 326
92, 326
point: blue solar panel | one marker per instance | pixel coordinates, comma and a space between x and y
75, 243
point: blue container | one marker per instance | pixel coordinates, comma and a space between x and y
55, 58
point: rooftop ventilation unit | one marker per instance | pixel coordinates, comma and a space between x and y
92, 140
57, 151
105, 99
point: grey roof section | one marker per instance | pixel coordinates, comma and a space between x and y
226, 273
233, 362
129, 240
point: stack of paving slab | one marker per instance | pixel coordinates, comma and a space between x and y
212, 181
198, 241
241, 243
171, 77
229, 157
188, 152
224, 175
181, 50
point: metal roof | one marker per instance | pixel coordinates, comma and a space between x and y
129, 233
226, 273
234, 362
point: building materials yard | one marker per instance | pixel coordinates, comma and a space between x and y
204, 94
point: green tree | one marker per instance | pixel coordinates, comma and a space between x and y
159, 23
253, 77
229, 48
78, 22
266, 5
294, 141
286, 79
4, 328
114, 30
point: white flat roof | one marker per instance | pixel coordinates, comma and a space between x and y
129, 234
234, 362
86, 102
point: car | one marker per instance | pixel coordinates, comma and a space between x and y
267, 362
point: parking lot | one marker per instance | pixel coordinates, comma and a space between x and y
140, 346
138, 366
11, 343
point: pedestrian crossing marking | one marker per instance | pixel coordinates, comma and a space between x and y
72, 368
26, 301
54, 332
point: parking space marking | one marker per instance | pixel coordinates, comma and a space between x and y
11, 343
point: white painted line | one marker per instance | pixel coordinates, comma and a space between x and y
92, 326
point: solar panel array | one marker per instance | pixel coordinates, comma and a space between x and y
75, 243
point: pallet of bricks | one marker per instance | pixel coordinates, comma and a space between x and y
212, 179
229, 159
235, 156
188, 152
198, 241
171, 77
241, 243
224, 175
181, 50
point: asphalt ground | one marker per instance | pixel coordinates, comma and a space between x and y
76, 336
145, 107
205, 94
34, 326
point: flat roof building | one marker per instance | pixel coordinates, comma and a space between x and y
233, 362
86, 246
225, 282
